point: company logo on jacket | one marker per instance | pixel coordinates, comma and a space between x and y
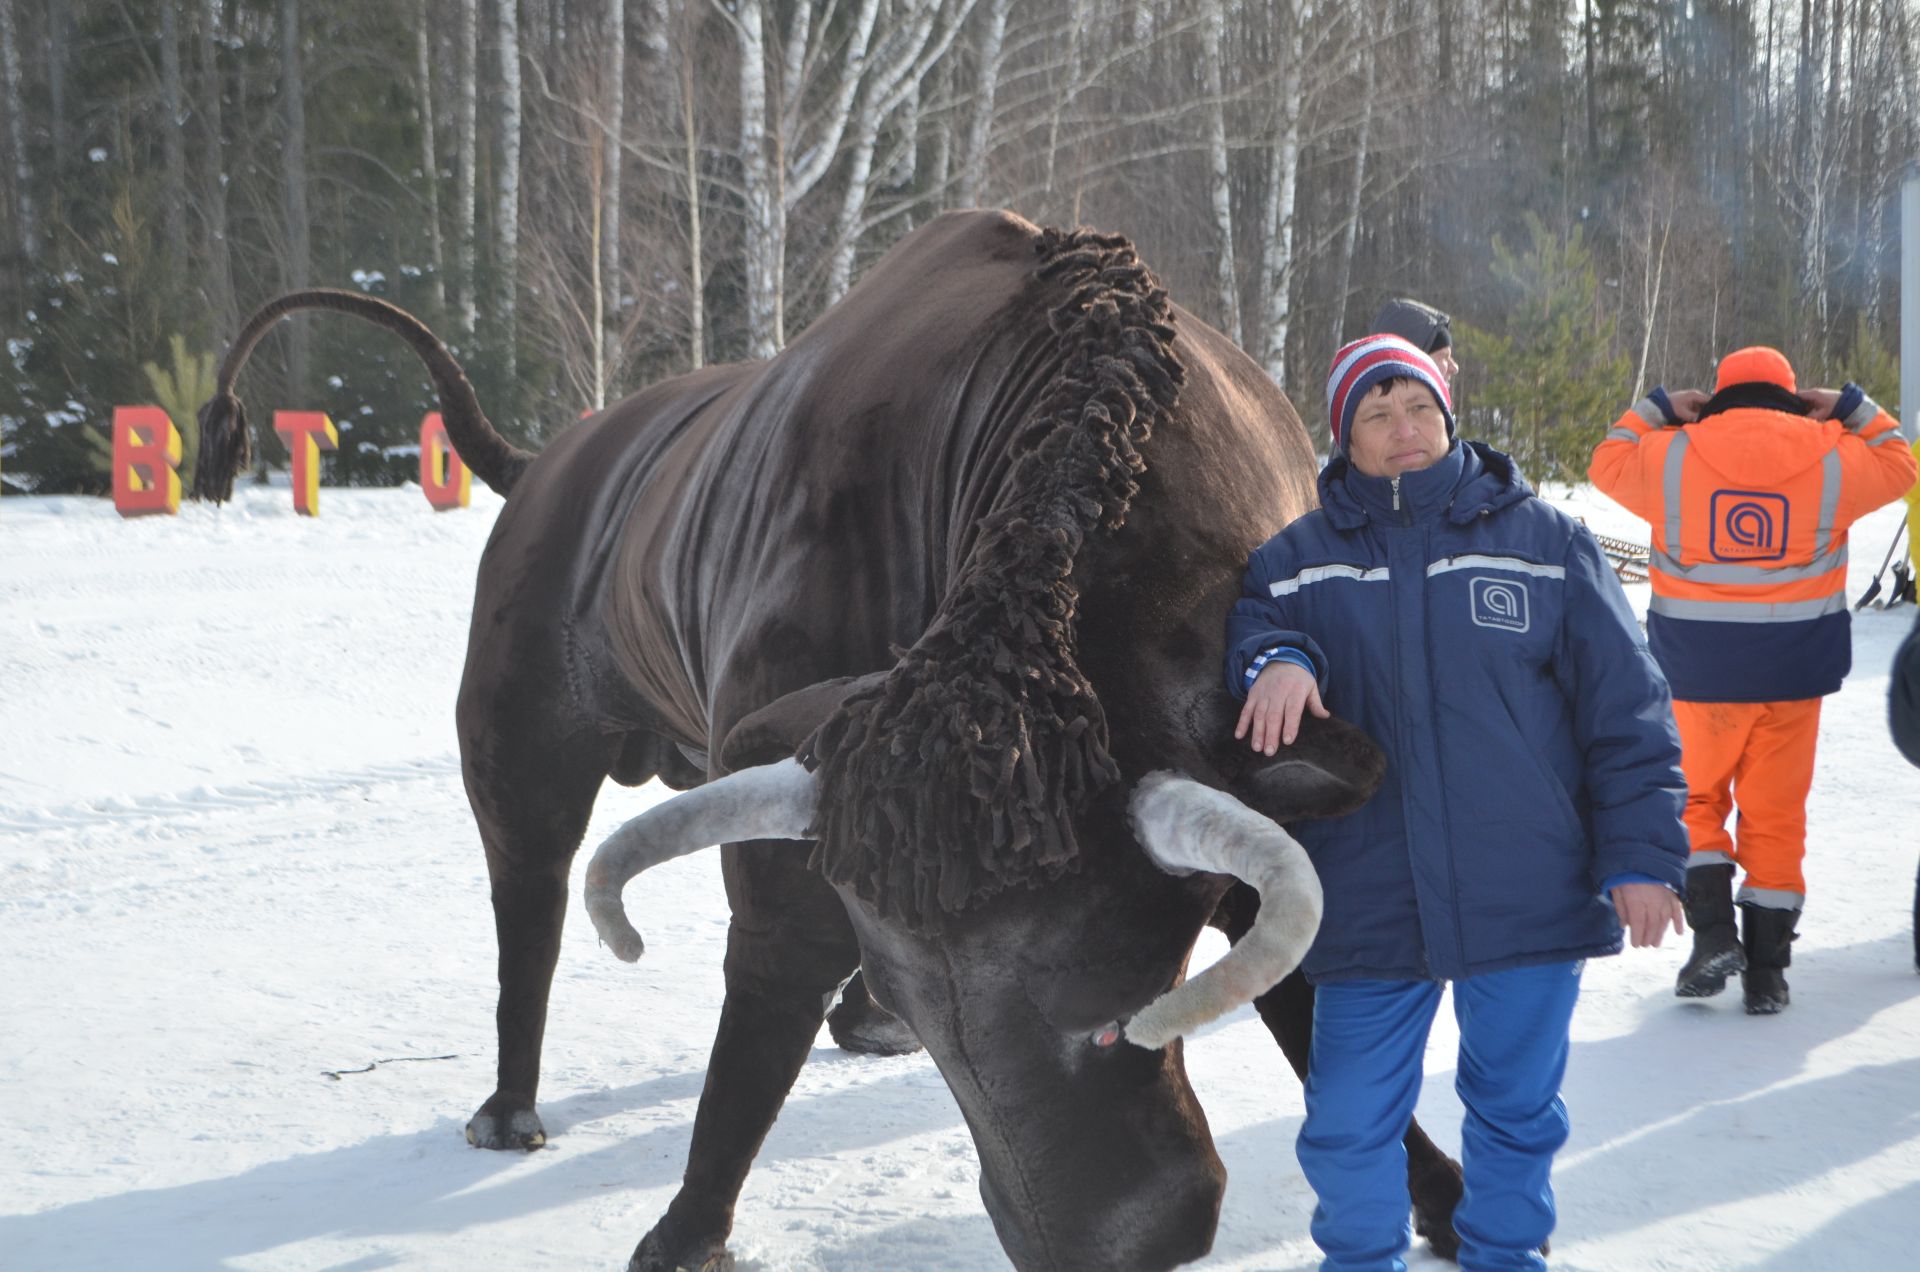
1499, 603
1747, 525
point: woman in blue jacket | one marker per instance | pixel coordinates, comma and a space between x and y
1531, 807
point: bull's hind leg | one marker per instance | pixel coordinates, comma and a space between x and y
1433, 1178
788, 948
532, 797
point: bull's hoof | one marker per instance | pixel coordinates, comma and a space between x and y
502, 1124
860, 1025
1436, 1191
653, 1255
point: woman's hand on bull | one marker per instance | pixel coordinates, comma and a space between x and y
1645, 910
1271, 718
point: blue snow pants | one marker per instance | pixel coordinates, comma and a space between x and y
1363, 1079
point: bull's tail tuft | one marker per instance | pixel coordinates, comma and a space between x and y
223, 422
957, 777
226, 447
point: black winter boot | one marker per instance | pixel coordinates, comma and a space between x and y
1769, 939
1716, 942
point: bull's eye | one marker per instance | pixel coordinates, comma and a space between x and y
1107, 1034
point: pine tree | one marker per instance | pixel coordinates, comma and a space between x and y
1553, 378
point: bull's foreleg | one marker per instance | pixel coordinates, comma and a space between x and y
1433, 1178
782, 969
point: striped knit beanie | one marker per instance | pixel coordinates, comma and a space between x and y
1359, 366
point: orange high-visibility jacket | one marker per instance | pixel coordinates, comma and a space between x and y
1749, 510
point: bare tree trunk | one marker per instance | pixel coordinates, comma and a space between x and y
1586, 39
507, 216
696, 270
1651, 276
1142, 21
973, 172
658, 44
1283, 174
806, 156
293, 161
907, 54
429, 160
26, 229
1350, 234
1226, 278
173, 147
1062, 99
213, 183
937, 133
756, 179
466, 160
59, 40
597, 308
613, 106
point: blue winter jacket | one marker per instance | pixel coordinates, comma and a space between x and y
1479, 636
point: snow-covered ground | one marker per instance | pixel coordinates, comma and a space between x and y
235, 855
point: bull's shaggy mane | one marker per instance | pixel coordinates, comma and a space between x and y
959, 775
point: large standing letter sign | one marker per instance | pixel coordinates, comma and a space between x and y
446, 482
306, 434
146, 454
146, 459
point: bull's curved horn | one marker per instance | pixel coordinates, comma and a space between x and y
1188, 827
771, 801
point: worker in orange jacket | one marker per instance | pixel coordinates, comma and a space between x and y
1749, 493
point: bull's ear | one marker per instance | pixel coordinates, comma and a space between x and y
1331, 769
775, 731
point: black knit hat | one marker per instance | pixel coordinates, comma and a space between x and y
1422, 326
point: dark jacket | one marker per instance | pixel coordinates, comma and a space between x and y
1903, 696
1479, 635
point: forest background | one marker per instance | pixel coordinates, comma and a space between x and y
585, 196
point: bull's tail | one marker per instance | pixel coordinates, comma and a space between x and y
224, 444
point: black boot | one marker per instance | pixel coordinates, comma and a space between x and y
1716, 943
1769, 938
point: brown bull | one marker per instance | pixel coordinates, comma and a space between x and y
964, 548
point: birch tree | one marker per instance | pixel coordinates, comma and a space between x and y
25, 227
756, 181
429, 160
1283, 177
696, 273
466, 160
973, 172
293, 160
1350, 232
173, 145
606, 300
213, 177
1226, 279
806, 134
903, 59
507, 213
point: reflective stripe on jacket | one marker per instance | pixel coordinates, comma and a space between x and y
1749, 511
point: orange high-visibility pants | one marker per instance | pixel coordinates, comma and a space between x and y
1758, 757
